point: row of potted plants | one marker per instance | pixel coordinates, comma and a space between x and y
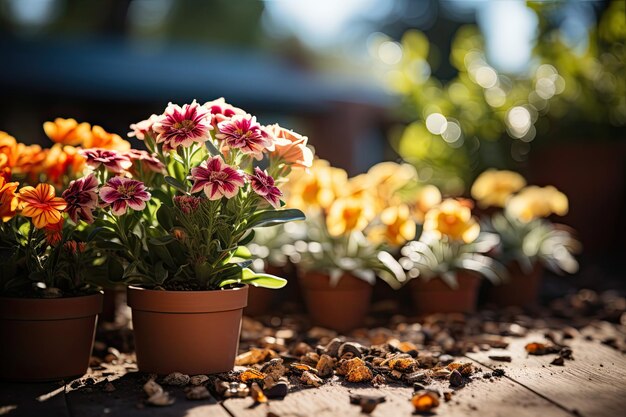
386, 224
181, 222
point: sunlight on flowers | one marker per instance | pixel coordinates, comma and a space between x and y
493, 187
451, 219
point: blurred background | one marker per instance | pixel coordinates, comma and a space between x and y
451, 86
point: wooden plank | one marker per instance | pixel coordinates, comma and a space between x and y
127, 400
482, 397
593, 384
33, 399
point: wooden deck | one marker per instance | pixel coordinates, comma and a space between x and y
593, 384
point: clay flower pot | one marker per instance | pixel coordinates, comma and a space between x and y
261, 300
193, 332
522, 289
47, 339
340, 308
435, 296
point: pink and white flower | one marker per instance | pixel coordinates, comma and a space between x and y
244, 133
148, 161
121, 193
263, 184
182, 126
113, 161
141, 129
216, 178
220, 110
81, 198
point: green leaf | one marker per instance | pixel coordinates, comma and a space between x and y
242, 252
274, 217
176, 184
109, 245
247, 238
248, 276
212, 149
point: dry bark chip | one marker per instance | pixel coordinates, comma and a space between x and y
310, 379
350, 348
299, 368
278, 390
359, 373
176, 379
332, 348
456, 379
257, 394
367, 403
537, 348
500, 358
151, 388
160, 399
558, 361
198, 380
424, 401
254, 356
250, 375
325, 366
197, 393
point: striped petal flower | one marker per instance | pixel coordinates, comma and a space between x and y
263, 184
113, 161
216, 178
121, 193
182, 126
244, 133
41, 204
81, 198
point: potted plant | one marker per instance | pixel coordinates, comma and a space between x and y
529, 242
44, 262
349, 223
177, 217
446, 263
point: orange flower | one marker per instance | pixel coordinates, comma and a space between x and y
28, 160
5, 170
452, 218
8, 147
100, 138
63, 161
54, 232
290, 147
41, 205
67, 131
8, 199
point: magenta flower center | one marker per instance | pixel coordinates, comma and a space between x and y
218, 176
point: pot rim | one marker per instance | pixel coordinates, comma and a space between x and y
183, 302
62, 308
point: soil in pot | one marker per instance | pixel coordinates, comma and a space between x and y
193, 332
340, 308
521, 290
47, 339
435, 296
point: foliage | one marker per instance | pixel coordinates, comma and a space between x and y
483, 118
451, 240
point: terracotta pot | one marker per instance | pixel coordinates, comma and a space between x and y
193, 332
47, 339
521, 290
260, 300
435, 296
340, 308
113, 299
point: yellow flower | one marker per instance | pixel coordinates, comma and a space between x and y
397, 226
387, 178
67, 131
348, 214
493, 187
8, 199
534, 202
41, 205
317, 188
426, 198
452, 219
